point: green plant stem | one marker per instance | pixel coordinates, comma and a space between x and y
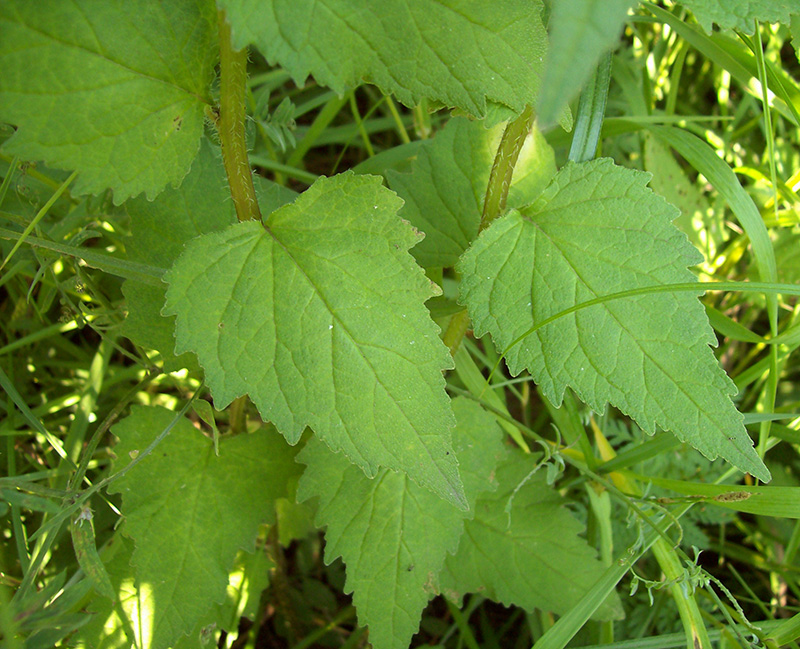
360, 122
45, 209
495, 202
570, 623
689, 611
771, 388
462, 622
591, 112
401, 129
422, 120
317, 128
503, 168
232, 115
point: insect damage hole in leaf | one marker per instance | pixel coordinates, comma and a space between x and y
320, 319
597, 229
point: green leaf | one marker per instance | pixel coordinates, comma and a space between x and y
320, 318
249, 578
532, 556
190, 511
200, 205
794, 29
741, 14
458, 53
581, 31
115, 90
597, 230
125, 622
392, 534
445, 188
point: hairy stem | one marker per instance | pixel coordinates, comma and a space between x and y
232, 115
503, 168
495, 202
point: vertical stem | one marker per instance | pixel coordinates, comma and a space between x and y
768, 396
503, 168
422, 120
401, 129
691, 618
232, 115
360, 122
591, 111
495, 202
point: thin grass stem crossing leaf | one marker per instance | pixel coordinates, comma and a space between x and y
190, 511
320, 318
455, 52
531, 556
392, 534
597, 229
115, 90
741, 14
445, 189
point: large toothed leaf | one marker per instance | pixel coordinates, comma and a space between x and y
741, 14
320, 318
115, 90
529, 555
190, 511
580, 32
160, 230
392, 534
445, 188
459, 53
596, 230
